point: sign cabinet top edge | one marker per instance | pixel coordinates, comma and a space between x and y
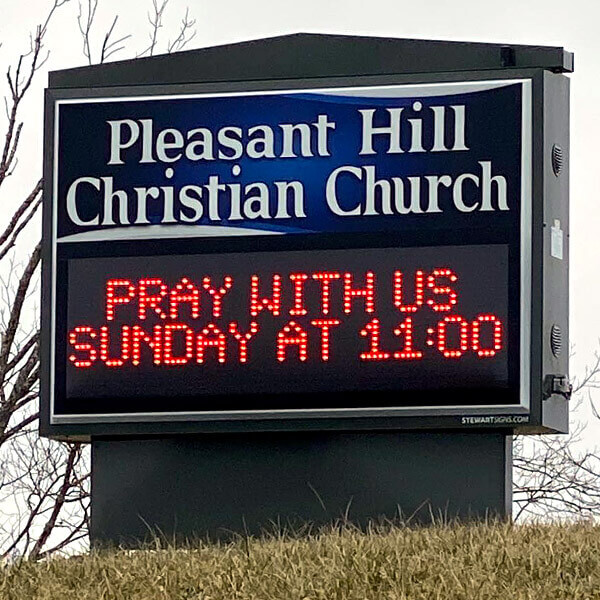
308, 55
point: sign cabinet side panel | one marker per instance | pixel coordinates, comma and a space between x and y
556, 252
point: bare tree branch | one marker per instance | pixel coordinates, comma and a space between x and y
74, 450
15, 312
85, 26
19, 427
12, 225
109, 46
19, 80
186, 34
22, 352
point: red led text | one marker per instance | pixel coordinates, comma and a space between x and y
287, 317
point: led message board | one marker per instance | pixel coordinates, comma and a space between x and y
266, 324
309, 254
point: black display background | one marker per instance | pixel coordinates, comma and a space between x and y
263, 383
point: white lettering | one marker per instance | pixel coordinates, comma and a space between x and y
72, 201
117, 143
331, 192
393, 131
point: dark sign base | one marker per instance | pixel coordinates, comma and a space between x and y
220, 485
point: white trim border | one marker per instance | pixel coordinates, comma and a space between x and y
400, 90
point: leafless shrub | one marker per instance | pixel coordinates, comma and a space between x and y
553, 477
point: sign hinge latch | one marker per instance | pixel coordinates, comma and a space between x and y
559, 385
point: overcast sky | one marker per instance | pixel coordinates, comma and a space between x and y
573, 25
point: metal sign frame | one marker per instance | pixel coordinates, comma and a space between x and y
540, 87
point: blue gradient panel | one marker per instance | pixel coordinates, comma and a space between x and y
493, 133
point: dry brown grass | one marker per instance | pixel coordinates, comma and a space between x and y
457, 562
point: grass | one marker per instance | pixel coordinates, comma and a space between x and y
456, 562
